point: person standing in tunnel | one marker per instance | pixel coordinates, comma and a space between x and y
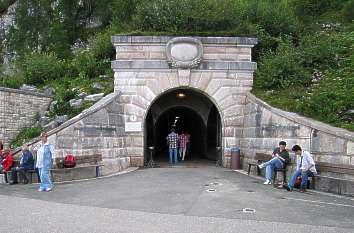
182, 145
188, 145
172, 141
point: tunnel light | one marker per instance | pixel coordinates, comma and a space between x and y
177, 117
181, 95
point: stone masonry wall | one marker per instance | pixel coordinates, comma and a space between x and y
18, 109
265, 126
97, 130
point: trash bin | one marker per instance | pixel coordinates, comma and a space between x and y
235, 158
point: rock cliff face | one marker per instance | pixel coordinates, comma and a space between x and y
7, 19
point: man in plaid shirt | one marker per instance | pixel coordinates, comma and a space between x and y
172, 140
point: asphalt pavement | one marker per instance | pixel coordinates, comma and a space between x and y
172, 199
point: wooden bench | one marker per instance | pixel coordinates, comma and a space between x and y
261, 158
16, 164
330, 167
87, 161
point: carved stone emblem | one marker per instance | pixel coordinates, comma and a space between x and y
184, 52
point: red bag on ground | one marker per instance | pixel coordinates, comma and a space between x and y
297, 182
69, 161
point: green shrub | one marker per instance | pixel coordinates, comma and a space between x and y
334, 96
63, 93
276, 17
185, 15
38, 68
84, 62
282, 69
25, 135
320, 51
348, 11
4, 4
101, 46
312, 8
15, 81
123, 11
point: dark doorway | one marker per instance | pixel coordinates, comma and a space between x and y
191, 113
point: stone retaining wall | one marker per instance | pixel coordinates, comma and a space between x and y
18, 110
97, 130
265, 126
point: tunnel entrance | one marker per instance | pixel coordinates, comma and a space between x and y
187, 111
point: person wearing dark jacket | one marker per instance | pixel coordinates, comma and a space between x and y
26, 163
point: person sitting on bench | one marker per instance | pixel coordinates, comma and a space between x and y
305, 167
280, 158
7, 160
26, 163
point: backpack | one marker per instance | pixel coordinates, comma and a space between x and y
69, 161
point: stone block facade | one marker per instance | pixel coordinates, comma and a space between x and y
18, 110
225, 75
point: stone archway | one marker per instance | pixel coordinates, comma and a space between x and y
187, 111
147, 67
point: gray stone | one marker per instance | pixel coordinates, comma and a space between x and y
74, 89
51, 125
26, 87
82, 95
97, 86
349, 115
43, 120
76, 103
52, 105
61, 119
47, 90
94, 97
104, 76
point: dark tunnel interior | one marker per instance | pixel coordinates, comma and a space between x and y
205, 134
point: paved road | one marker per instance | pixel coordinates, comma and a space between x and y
172, 200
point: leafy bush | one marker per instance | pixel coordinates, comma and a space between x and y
38, 68
276, 17
84, 62
282, 68
311, 8
185, 15
25, 135
318, 51
331, 97
15, 81
63, 93
4, 4
101, 45
330, 100
348, 11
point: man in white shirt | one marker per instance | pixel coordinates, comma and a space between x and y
305, 167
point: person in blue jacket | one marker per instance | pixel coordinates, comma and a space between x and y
44, 162
26, 163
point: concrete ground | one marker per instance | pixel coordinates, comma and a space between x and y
172, 199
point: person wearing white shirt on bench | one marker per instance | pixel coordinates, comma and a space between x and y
305, 167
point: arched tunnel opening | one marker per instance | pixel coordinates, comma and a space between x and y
187, 111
